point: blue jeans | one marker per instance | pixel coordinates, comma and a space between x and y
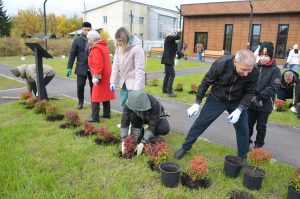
200, 55
293, 67
210, 111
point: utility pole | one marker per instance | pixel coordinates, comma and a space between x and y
131, 20
84, 13
250, 25
45, 24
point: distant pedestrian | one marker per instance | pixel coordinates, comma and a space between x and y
184, 48
287, 52
294, 59
199, 48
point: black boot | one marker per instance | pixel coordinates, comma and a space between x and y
95, 112
170, 87
106, 109
165, 84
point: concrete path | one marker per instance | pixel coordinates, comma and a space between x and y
283, 141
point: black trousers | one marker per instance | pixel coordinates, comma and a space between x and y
81, 80
261, 119
162, 127
169, 79
47, 79
96, 109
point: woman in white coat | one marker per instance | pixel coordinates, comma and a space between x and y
294, 59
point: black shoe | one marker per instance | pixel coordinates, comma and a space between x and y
80, 105
91, 119
179, 153
172, 94
164, 91
105, 116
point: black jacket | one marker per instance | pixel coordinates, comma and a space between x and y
79, 50
170, 49
150, 117
292, 87
267, 86
226, 84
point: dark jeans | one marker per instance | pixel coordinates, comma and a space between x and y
47, 79
210, 111
162, 128
169, 79
96, 109
261, 119
81, 80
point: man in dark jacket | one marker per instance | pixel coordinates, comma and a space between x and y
233, 82
80, 50
268, 85
170, 49
142, 108
290, 88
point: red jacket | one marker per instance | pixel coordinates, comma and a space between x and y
99, 63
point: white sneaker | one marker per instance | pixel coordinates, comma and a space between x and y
293, 109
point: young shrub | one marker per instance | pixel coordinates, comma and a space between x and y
72, 117
194, 88
89, 128
40, 106
158, 152
259, 156
154, 82
294, 181
31, 101
104, 134
129, 146
179, 87
51, 111
280, 105
197, 168
25, 95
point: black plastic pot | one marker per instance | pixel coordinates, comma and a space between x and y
293, 194
253, 177
232, 166
170, 172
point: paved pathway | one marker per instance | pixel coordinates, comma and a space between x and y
283, 141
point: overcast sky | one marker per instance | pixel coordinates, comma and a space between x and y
70, 7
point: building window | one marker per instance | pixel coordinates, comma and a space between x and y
105, 19
141, 35
141, 20
282, 36
255, 36
227, 38
202, 38
130, 18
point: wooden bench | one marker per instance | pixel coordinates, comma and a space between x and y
213, 54
156, 50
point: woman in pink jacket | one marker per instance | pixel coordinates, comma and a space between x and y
99, 63
128, 68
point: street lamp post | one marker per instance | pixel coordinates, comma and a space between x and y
250, 25
45, 25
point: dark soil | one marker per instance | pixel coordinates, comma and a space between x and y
153, 166
187, 182
238, 194
250, 170
192, 92
68, 126
156, 139
125, 156
234, 160
81, 133
179, 90
55, 118
112, 141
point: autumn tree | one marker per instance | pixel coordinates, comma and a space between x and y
5, 21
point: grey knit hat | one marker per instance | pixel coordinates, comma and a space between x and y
138, 101
15, 72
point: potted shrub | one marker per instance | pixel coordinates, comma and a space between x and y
179, 87
253, 176
129, 147
196, 175
194, 87
73, 120
52, 113
280, 105
169, 173
40, 106
30, 102
24, 96
294, 185
158, 153
298, 110
232, 166
88, 130
105, 137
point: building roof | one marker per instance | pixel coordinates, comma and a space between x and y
165, 13
241, 7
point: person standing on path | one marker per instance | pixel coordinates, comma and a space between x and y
79, 50
199, 48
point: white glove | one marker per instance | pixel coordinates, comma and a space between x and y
112, 87
234, 116
293, 109
193, 110
95, 80
123, 148
139, 149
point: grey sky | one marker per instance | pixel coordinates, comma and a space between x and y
70, 7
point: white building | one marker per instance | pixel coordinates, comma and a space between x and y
149, 22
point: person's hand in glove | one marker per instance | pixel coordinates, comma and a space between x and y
123, 148
193, 110
69, 72
112, 87
234, 116
256, 103
95, 80
139, 149
293, 109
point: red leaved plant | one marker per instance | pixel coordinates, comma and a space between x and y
31, 101
104, 134
89, 128
294, 181
40, 106
197, 168
158, 152
72, 117
129, 146
25, 95
194, 87
280, 104
51, 111
259, 156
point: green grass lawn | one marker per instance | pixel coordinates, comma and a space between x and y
7, 83
40, 160
184, 96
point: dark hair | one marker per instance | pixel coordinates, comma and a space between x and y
296, 51
86, 24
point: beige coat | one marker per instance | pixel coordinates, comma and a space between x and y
129, 67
